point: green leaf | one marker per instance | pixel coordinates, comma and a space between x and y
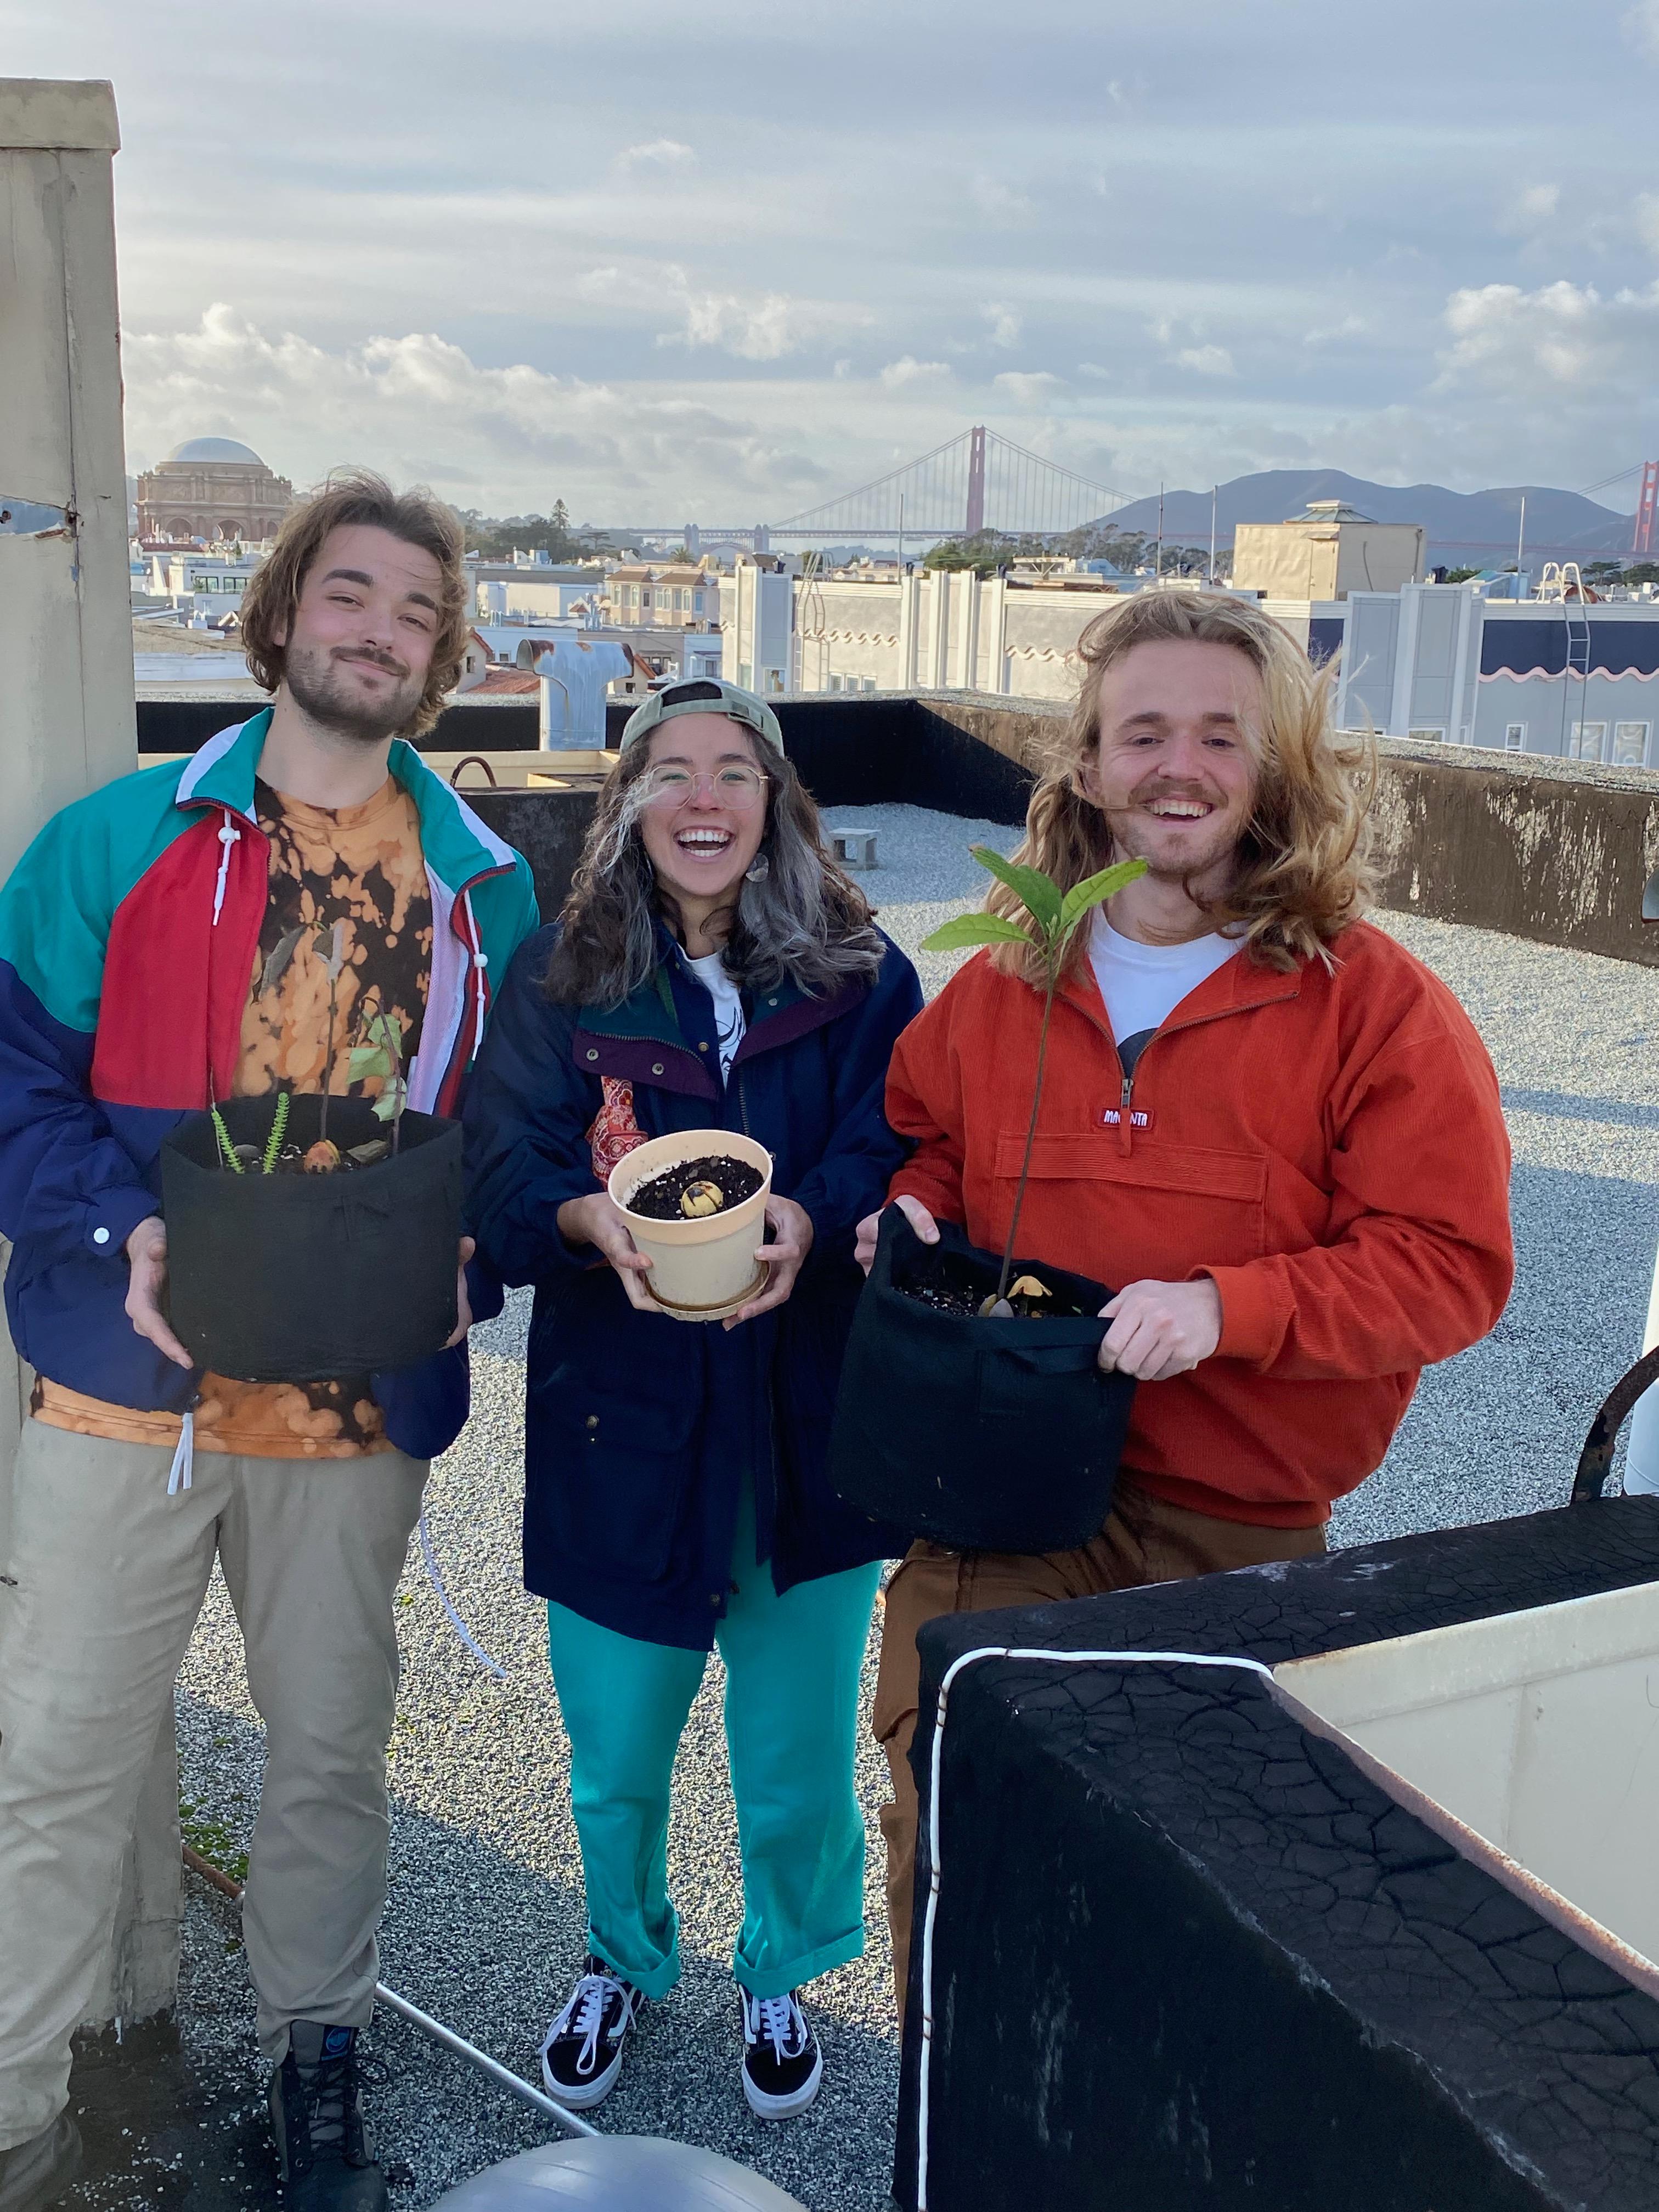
367, 1060
1038, 893
1094, 890
390, 1103
974, 929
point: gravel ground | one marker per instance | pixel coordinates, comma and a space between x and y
484, 1923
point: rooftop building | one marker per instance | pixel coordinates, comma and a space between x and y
1325, 552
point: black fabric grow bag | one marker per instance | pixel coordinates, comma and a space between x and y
993, 1435
300, 1277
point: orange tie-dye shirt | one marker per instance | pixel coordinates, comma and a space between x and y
362, 866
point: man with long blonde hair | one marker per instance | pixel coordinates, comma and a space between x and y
1262, 1117
181, 937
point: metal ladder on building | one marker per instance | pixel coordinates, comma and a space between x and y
1563, 581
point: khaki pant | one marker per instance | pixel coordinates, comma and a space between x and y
1144, 1541
105, 1577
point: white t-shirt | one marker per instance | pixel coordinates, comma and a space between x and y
1142, 984
711, 971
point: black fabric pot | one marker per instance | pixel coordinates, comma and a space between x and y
987, 1436
300, 1277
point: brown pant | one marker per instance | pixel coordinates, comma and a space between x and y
1144, 1541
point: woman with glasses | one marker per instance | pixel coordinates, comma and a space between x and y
713, 968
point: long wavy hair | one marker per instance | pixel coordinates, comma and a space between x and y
1302, 871
804, 919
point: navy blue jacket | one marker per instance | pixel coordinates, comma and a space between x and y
641, 1431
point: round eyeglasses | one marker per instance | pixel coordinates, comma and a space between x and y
734, 785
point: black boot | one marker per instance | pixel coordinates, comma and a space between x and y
324, 2144
35, 2173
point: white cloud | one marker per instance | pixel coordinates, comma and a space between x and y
1206, 361
764, 327
656, 153
1093, 368
1567, 337
507, 440
1351, 327
1027, 389
1523, 213
1642, 22
1006, 323
1645, 207
908, 370
1000, 204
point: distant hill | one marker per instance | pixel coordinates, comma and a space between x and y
1467, 530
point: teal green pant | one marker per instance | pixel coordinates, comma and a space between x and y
792, 1692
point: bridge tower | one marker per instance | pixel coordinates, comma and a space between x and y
1643, 542
974, 521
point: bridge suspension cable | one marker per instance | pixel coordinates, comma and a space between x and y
977, 481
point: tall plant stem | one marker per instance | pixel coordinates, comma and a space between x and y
328, 1061
1030, 1134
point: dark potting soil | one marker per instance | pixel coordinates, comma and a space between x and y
660, 1200
943, 1282
292, 1159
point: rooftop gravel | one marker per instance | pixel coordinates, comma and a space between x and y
484, 1925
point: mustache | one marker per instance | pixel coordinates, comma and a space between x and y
1163, 787
375, 658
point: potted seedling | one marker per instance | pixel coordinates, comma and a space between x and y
695, 1203
973, 1410
308, 1235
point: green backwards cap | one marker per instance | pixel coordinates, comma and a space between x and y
703, 694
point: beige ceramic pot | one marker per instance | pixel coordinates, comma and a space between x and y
701, 1270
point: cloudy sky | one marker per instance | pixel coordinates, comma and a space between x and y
663, 260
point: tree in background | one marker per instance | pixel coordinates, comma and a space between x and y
497, 539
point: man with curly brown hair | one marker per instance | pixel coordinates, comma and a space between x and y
165, 943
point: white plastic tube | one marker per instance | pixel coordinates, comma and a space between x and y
970, 1659
1642, 1454
503, 2075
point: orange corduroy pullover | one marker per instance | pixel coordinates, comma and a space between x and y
1327, 1146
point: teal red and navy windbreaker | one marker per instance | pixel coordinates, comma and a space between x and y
128, 933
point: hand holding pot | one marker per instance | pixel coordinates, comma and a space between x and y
864, 1251
786, 1256
1161, 1329
147, 1257
597, 1221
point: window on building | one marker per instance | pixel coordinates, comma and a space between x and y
836, 683
745, 676
1629, 744
645, 598
1432, 732
1585, 741
1514, 737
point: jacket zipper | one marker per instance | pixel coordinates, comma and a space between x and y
1125, 1096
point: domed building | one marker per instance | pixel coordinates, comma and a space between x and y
211, 488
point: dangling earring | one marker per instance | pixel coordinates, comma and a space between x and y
758, 869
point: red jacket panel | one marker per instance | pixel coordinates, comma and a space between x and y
1328, 1146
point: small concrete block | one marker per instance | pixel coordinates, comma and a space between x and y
857, 848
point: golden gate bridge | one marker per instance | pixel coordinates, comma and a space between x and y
977, 481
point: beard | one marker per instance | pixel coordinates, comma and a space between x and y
1210, 855
322, 688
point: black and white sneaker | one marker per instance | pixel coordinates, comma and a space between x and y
783, 2064
582, 2052
325, 2154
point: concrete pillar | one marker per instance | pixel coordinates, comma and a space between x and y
67, 722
